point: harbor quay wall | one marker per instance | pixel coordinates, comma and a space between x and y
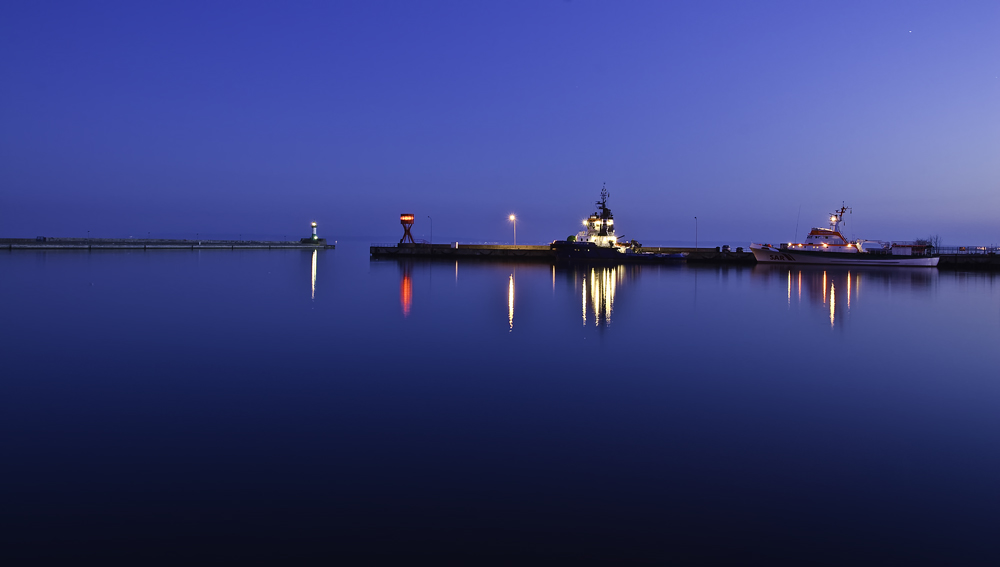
155, 244
536, 252
989, 261
707, 255
526, 252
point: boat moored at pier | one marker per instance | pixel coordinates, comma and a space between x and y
829, 246
598, 241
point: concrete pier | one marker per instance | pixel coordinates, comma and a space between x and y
984, 261
420, 250
541, 253
706, 255
49, 243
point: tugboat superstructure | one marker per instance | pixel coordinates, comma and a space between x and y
600, 226
598, 241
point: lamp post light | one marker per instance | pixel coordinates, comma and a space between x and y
513, 219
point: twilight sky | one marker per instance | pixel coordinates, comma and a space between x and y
220, 118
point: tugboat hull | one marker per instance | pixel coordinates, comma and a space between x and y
568, 250
585, 251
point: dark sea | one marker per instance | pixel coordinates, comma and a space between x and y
300, 407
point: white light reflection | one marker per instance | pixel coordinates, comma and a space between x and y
833, 302
315, 253
510, 303
789, 288
602, 294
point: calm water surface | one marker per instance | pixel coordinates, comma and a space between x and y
291, 406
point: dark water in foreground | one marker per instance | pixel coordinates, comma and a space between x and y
189, 406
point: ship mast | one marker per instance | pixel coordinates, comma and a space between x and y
837, 217
602, 205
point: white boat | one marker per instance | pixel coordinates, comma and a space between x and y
828, 246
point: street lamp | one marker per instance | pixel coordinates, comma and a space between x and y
695, 232
432, 229
513, 219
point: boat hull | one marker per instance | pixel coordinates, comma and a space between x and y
567, 250
773, 256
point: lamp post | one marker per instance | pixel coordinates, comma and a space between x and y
513, 219
432, 229
696, 232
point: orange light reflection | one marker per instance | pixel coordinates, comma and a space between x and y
406, 293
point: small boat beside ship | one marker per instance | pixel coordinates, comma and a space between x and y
829, 246
598, 241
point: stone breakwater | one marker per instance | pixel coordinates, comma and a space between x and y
48, 243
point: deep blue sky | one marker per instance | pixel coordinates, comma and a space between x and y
255, 118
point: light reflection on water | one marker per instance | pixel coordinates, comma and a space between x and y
406, 288
602, 283
510, 303
820, 285
314, 256
833, 303
598, 287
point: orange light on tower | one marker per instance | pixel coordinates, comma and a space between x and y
406, 219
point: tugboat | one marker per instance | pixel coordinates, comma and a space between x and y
828, 246
598, 241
